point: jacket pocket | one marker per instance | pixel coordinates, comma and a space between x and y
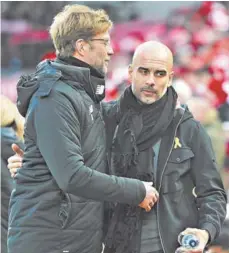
179, 164
39, 214
179, 161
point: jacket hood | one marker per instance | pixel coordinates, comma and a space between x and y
26, 87
184, 110
49, 71
29, 84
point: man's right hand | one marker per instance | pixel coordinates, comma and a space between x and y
15, 161
151, 197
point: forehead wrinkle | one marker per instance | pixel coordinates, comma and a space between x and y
155, 61
161, 65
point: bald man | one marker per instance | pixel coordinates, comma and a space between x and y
150, 137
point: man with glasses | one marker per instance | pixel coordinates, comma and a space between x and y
152, 138
57, 204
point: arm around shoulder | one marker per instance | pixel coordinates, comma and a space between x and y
58, 137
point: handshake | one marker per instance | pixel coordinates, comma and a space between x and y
151, 197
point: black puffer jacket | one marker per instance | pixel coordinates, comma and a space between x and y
57, 204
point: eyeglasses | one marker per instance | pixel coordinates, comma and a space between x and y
105, 42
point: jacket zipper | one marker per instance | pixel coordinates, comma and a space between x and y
161, 183
100, 115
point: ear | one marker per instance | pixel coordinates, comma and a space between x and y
81, 47
170, 78
130, 72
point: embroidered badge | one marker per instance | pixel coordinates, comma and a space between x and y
177, 143
100, 89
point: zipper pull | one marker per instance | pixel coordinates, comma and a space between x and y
91, 112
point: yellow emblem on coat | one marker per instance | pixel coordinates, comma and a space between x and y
177, 143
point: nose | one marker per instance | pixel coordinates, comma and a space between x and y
150, 81
110, 50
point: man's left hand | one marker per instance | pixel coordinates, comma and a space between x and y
202, 236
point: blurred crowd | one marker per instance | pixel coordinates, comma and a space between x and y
198, 37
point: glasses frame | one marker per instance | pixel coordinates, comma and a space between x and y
105, 41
